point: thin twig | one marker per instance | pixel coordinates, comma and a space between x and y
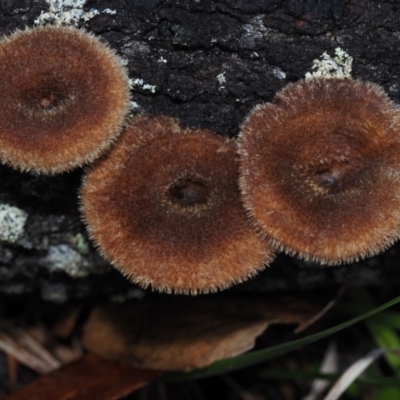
319, 315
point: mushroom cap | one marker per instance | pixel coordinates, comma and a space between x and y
164, 207
320, 170
64, 98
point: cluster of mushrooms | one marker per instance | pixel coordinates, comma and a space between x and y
315, 173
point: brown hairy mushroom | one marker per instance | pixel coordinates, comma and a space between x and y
320, 170
164, 207
64, 98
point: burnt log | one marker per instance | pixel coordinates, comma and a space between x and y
207, 63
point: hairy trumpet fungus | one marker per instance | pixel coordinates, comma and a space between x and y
164, 207
64, 98
320, 170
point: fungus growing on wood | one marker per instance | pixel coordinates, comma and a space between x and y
164, 207
320, 169
64, 97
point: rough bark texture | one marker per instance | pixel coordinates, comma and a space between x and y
208, 63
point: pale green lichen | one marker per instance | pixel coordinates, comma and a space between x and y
279, 73
79, 243
63, 257
133, 106
337, 67
221, 78
68, 12
137, 82
12, 223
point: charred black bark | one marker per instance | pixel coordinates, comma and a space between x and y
207, 63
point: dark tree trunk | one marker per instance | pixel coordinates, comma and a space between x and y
207, 63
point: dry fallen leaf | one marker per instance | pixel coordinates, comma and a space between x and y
89, 378
25, 349
66, 323
175, 333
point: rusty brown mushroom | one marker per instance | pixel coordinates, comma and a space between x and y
320, 169
164, 207
64, 98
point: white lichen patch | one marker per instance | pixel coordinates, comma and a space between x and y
394, 88
80, 244
279, 73
221, 78
134, 109
124, 61
12, 222
137, 82
109, 11
253, 32
68, 12
337, 67
63, 257
133, 106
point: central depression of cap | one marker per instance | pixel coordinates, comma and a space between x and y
164, 206
320, 169
64, 98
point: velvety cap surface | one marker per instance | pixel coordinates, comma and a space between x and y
165, 208
64, 98
320, 169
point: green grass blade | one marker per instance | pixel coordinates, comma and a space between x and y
248, 359
389, 318
382, 332
386, 338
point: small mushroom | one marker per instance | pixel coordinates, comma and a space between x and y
64, 98
164, 207
320, 170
